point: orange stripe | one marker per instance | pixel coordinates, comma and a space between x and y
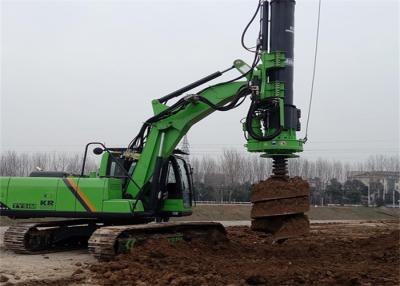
81, 195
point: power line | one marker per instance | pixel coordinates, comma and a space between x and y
355, 151
315, 142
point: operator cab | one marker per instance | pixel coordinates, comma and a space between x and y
178, 180
176, 175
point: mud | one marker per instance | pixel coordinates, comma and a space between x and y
283, 226
332, 254
276, 188
284, 198
280, 207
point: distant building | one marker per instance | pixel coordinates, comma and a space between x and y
374, 179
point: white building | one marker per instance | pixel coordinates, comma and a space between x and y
389, 181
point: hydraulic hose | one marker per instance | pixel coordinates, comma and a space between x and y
250, 130
242, 92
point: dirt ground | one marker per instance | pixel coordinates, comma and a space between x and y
346, 253
29, 269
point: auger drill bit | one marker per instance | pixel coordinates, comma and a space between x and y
280, 168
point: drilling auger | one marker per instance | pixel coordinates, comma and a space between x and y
279, 202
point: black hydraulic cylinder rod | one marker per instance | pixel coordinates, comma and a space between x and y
282, 40
190, 86
264, 25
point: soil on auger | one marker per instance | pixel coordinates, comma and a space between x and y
279, 205
278, 188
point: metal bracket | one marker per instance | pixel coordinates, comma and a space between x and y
273, 60
274, 89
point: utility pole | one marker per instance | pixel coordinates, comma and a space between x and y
186, 148
394, 198
369, 198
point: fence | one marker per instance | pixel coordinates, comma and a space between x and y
220, 203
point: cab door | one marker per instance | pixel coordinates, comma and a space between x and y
177, 186
185, 182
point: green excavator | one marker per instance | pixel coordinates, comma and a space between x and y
138, 188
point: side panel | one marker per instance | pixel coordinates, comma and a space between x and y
112, 199
90, 194
66, 200
112, 189
27, 193
65, 197
3, 191
122, 206
87, 194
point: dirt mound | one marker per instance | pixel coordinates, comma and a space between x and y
249, 258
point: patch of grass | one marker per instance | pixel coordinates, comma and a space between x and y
352, 213
242, 212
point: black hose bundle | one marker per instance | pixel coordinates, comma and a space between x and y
138, 142
241, 94
255, 107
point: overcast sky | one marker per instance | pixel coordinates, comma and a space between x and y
77, 71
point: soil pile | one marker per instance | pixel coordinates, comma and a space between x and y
279, 206
355, 255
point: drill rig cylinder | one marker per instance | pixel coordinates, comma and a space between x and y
273, 105
264, 25
282, 40
272, 82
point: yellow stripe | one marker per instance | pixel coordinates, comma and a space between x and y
81, 195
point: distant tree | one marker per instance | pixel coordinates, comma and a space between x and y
22, 164
231, 163
353, 190
379, 202
241, 193
334, 191
204, 192
389, 198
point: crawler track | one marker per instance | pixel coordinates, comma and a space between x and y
15, 238
33, 238
106, 242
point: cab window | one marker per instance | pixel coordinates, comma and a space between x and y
115, 170
172, 188
185, 183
